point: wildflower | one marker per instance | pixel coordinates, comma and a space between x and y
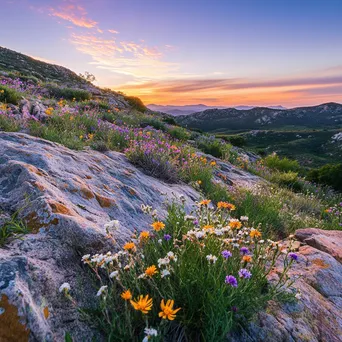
101, 290
85, 258
235, 224
167, 237
293, 256
205, 202
114, 275
165, 273
199, 182
157, 226
244, 218
211, 258
255, 233
189, 218
81, 137
213, 163
171, 256
226, 254
231, 280
247, 258
298, 295
144, 235
244, 250
114, 225
149, 332
226, 205
244, 273
167, 310
65, 288
208, 227
143, 304
90, 136
151, 271
126, 295
163, 261
129, 246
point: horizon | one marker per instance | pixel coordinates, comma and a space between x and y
222, 53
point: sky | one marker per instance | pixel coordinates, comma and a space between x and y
177, 52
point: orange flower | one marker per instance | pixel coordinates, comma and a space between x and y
143, 304
151, 271
129, 246
144, 235
247, 258
213, 163
126, 295
255, 233
205, 202
208, 227
167, 310
157, 226
235, 224
226, 205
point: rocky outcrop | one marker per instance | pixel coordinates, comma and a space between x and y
317, 316
66, 198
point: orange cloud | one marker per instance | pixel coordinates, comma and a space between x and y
75, 14
129, 58
231, 92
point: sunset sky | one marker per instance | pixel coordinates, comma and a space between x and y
216, 52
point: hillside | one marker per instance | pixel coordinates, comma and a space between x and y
116, 224
328, 115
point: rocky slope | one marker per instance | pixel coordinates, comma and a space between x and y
221, 120
66, 197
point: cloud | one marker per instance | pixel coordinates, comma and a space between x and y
140, 61
73, 13
113, 31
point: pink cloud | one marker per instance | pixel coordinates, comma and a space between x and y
73, 13
113, 31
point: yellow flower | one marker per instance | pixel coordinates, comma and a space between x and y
255, 233
199, 182
90, 136
144, 235
71, 118
126, 295
151, 271
235, 224
143, 304
247, 258
208, 227
2, 91
49, 111
129, 246
205, 202
157, 226
81, 137
167, 310
213, 163
226, 205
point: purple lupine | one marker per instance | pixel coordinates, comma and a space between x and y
293, 256
226, 254
231, 280
167, 237
244, 250
244, 273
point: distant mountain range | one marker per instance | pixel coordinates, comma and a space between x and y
327, 115
190, 109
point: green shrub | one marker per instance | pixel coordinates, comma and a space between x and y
274, 162
188, 264
237, 140
136, 103
179, 133
287, 179
9, 124
153, 122
170, 120
9, 95
330, 174
69, 93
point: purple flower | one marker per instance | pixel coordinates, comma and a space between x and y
231, 280
244, 273
167, 237
244, 251
293, 256
195, 222
226, 254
